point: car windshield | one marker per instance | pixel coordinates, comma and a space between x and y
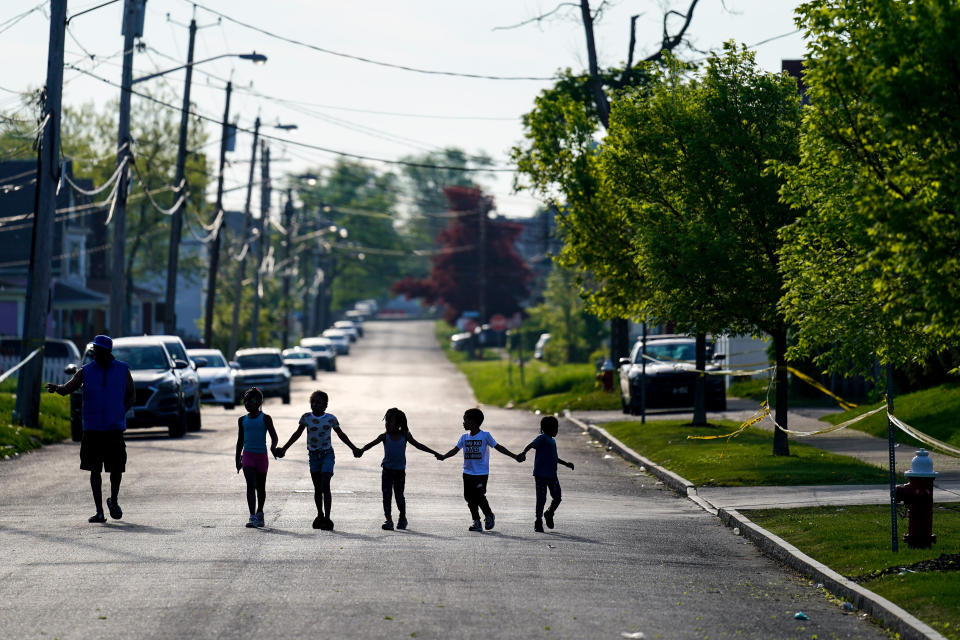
213, 360
176, 350
260, 361
671, 351
142, 357
300, 355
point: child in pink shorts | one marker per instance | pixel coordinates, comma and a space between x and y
252, 452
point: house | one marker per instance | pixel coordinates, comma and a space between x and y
80, 282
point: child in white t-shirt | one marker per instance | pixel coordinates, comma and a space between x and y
476, 466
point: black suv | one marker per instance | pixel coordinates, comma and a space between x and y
670, 375
159, 400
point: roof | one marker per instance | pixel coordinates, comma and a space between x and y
74, 296
255, 350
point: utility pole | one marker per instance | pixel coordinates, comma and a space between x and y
176, 222
482, 263
41, 240
262, 233
218, 225
132, 28
244, 246
287, 254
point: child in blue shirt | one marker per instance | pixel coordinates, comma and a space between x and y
252, 452
393, 477
545, 470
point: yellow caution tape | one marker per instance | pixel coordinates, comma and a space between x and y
922, 437
761, 413
816, 385
835, 427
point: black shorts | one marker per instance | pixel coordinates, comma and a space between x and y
103, 450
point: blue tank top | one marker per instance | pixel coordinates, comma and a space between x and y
104, 390
254, 434
394, 452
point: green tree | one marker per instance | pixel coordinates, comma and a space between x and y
686, 164
574, 332
871, 268
557, 163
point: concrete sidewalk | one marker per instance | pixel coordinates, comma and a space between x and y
847, 442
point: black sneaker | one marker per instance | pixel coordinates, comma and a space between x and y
490, 521
402, 522
327, 524
318, 522
476, 526
548, 518
538, 526
115, 511
387, 525
97, 517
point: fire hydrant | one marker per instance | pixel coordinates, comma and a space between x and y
917, 494
606, 375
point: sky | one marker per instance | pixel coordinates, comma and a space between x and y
358, 107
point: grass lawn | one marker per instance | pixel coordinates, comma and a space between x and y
855, 541
496, 380
54, 422
934, 411
743, 461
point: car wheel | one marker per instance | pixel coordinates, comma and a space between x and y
229, 407
194, 420
718, 403
178, 427
286, 398
313, 375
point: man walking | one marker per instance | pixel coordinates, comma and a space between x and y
108, 393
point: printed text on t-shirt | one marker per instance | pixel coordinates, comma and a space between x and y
473, 449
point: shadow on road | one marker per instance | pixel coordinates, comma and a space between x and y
133, 527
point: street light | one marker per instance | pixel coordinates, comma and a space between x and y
257, 58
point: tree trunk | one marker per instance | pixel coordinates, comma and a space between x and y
781, 445
700, 382
619, 339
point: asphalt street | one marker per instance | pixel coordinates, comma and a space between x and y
628, 558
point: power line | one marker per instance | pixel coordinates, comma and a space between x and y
363, 59
307, 145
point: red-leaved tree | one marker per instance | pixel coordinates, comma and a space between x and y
476, 266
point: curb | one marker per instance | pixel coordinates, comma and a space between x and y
889, 614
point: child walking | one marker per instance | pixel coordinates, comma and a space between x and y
252, 452
393, 476
476, 466
545, 470
320, 427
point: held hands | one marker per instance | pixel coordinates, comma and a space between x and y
357, 452
274, 450
440, 456
279, 452
521, 457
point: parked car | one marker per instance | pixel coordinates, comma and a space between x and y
541, 343
300, 362
191, 379
160, 397
357, 318
348, 328
324, 352
460, 341
488, 337
340, 340
53, 348
216, 377
671, 377
262, 368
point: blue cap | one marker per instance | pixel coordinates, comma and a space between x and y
104, 342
